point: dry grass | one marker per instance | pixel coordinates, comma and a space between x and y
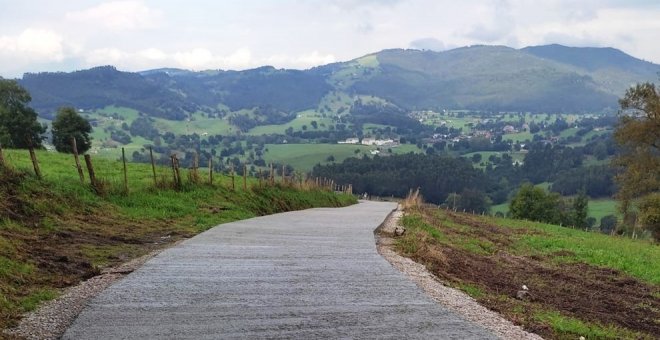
414, 200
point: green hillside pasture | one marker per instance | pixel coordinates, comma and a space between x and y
199, 124
303, 157
404, 148
450, 121
602, 207
518, 137
136, 144
304, 118
335, 101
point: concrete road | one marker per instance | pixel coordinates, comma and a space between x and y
306, 275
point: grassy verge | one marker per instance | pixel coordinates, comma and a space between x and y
580, 283
55, 231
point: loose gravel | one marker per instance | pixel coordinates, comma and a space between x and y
457, 301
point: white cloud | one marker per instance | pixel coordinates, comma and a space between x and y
106, 56
152, 54
118, 15
196, 59
36, 45
315, 58
242, 58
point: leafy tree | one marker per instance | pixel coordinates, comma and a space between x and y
580, 206
472, 200
649, 208
638, 133
18, 122
608, 223
535, 204
69, 124
591, 221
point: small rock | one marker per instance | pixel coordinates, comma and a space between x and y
523, 295
398, 231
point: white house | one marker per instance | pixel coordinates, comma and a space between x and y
368, 141
350, 141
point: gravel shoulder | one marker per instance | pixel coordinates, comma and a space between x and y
52, 318
455, 300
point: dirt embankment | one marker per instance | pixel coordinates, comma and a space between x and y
619, 304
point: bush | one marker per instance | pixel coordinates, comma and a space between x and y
608, 223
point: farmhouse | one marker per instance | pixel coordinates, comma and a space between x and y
349, 141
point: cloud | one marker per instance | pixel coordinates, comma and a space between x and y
353, 4
106, 56
499, 24
118, 15
365, 28
36, 45
313, 59
431, 44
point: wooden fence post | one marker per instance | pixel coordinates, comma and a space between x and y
195, 166
90, 170
211, 170
2, 156
260, 179
153, 164
245, 177
173, 170
179, 182
283, 175
35, 163
123, 159
74, 148
233, 185
272, 174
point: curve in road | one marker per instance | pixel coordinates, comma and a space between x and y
304, 274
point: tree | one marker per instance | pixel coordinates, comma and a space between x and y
535, 204
580, 206
18, 123
473, 201
638, 134
69, 124
607, 224
649, 208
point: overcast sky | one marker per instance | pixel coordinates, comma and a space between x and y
66, 35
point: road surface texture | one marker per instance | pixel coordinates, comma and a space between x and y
305, 274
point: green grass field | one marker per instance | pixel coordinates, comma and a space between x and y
304, 118
597, 208
303, 157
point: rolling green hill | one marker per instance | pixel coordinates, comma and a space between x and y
549, 78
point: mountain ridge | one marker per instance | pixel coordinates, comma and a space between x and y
548, 78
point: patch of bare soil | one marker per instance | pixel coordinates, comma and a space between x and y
65, 257
590, 293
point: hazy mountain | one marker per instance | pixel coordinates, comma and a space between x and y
550, 78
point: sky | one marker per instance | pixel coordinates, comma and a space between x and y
135, 35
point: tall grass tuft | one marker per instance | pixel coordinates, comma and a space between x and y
413, 201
